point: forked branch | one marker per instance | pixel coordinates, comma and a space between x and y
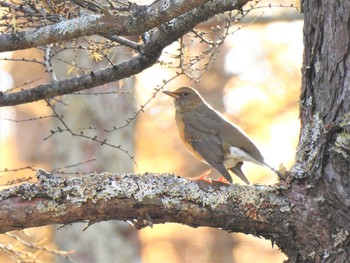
149, 52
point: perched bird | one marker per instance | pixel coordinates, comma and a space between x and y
210, 137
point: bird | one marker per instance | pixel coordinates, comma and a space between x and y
211, 138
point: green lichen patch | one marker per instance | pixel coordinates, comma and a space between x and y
340, 237
342, 142
308, 147
51, 206
169, 189
342, 145
345, 120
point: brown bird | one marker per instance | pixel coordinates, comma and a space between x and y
210, 137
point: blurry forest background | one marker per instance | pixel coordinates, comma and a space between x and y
254, 81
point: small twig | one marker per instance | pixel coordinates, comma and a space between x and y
29, 119
31, 167
22, 60
48, 64
105, 56
143, 106
81, 134
87, 5
21, 87
124, 42
99, 93
57, 170
64, 254
17, 181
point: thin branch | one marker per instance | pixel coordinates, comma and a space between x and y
61, 170
29, 119
21, 87
125, 42
37, 247
48, 63
143, 106
82, 135
155, 42
88, 5
99, 93
22, 60
6, 170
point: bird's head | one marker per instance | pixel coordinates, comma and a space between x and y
185, 98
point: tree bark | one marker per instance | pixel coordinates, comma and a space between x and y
320, 194
145, 200
138, 20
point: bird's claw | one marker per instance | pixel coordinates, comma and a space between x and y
203, 177
223, 180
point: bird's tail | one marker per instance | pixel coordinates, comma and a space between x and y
274, 170
237, 171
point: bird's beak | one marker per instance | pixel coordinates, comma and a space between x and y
171, 94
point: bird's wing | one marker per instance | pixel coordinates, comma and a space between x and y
206, 142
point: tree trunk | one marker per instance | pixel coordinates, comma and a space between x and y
321, 193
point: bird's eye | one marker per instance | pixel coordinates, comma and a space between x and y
185, 93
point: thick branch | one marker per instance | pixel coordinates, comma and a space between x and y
149, 199
141, 19
149, 54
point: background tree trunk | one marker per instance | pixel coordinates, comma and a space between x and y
112, 240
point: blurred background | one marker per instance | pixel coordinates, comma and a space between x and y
254, 82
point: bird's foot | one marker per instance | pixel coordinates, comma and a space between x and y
222, 180
203, 177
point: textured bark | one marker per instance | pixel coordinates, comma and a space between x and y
145, 200
321, 193
141, 19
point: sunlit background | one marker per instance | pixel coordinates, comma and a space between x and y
255, 83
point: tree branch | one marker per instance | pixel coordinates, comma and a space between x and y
122, 70
150, 51
145, 200
141, 19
